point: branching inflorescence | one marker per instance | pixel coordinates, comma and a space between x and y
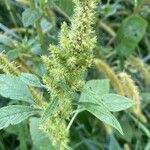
67, 65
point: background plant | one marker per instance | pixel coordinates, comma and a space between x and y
120, 67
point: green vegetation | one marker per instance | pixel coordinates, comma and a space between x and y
74, 74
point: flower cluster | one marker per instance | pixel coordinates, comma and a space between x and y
68, 62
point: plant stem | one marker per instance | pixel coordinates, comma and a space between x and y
135, 3
73, 118
122, 63
107, 28
147, 43
2, 146
39, 28
141, 125
10, 12
23, 145
40, 34
61, 12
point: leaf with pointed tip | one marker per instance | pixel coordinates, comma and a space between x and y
130, 34
100, 87
96, 91
14, 114
31, 79
102, 113
93, 89
30, 16
116, 102
12, 87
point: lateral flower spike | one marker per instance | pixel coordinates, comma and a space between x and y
132, 91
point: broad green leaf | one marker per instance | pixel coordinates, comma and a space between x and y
102, 113
93, 90
30, 16
30, 79
13, 54
116, 102
130, 34
96, 91
99, 87
14, 114
52, 106
40, 140
12, 87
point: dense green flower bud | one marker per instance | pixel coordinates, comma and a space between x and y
67, 64
57, 129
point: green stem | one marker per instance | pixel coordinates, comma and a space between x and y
122, 63
107, 28
73, 118
40, 34
113, 34
147, 43
61, 12
135, 4
141, 125
23, 145
10, 12
2, 146
39, 28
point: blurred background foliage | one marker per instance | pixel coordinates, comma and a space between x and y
27, 27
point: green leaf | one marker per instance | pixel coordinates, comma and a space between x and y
116, 102
102, 113
40, 140
14, 114
13, 54
130, 34
99, 87
30, 16
12, 87
51, 107
31, 79
94, 88
96, 91
95, 99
